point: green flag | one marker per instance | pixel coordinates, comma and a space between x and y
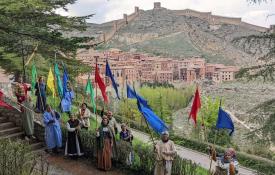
89, 90
34, 76
58, 79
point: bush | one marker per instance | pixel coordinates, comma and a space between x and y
15, 158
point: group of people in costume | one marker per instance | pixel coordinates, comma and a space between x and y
105, 134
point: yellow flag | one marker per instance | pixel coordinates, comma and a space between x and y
50, 82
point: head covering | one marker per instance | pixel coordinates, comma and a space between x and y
84, 104
165, 133
104, 117
109, 113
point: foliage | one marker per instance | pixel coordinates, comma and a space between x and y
163, 101
15, 158
158, 84
28, 26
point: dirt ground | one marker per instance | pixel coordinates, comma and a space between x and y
65, 166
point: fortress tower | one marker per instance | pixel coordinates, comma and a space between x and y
157, 5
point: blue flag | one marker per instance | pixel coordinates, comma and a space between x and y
109, 74
224, 121
153, 120
132, 94
65, 80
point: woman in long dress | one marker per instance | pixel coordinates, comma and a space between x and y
53, 134
28, 117
67, 100
40, 92
73, 144
105, 138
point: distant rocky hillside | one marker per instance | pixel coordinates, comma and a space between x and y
172, 33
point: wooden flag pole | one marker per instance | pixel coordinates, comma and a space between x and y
213, 151
150, 132
96, 57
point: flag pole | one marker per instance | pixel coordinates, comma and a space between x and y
150, 132
213, 151
96, 57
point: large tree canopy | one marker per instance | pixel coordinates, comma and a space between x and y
28, 25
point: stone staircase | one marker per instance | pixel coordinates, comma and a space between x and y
9, 130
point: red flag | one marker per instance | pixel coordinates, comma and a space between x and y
196, 106
2, 103
101, 84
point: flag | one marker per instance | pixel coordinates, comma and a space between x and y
109, 74
34, 76
195, 106
153, 120
101, 84
2, 103
50, 82
224, 121
132, 94
58, 79
89, 90
65, 80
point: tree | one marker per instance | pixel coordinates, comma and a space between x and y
28, 25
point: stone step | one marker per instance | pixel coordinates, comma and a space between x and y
10, 131
37, 146
13, 136
3, 119
39, 151
6, 125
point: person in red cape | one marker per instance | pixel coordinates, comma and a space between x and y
21, 91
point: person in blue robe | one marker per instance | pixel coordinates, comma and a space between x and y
67, 100
53, 136
40, 92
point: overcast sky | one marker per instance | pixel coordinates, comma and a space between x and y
107, 10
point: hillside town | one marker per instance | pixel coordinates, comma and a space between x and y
150, 69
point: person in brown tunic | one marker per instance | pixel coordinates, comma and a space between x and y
105, 138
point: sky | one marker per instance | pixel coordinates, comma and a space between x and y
108, 10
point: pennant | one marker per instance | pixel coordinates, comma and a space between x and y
101, 84
65, 80
2, 103
224, 121
34, 76
50, 82
89, 90
58, 79
132, 94
109, 74
195, 106
153, 120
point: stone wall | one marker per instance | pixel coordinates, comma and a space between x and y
16, 117
215, 20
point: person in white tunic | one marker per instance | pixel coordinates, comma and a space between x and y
112, 122
84, 116
165, 154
